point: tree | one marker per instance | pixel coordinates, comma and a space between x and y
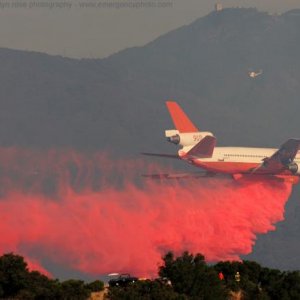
74, 290
146, 290
13, 274
95, 286
16, 281
1, 291
190, 276
282, 285
41, 287
291, 283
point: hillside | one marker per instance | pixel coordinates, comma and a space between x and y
48, 100
117, 103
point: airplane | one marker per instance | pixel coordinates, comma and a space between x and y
198, 148
253, 74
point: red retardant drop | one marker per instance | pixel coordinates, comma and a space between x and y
62, 206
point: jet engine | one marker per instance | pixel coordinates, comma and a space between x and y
294, 168
186, 139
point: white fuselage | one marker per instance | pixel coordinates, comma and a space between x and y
235, 159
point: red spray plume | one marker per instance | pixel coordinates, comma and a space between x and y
63, 206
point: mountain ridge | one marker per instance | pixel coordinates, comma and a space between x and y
116, 104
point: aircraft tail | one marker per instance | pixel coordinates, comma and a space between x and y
204, 148
181, 121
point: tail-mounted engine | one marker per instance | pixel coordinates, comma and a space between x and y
294, 168
186, 139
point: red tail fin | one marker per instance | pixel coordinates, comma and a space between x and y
180, 119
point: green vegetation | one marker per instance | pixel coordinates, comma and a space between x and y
190, 276
186, 277
146, 290
17, 282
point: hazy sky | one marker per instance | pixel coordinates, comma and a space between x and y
97, 28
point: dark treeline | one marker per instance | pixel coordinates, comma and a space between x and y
17, 282
186, 277
189, 277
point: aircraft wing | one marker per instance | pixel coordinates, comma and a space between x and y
176, 156
280, 159
179, 175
